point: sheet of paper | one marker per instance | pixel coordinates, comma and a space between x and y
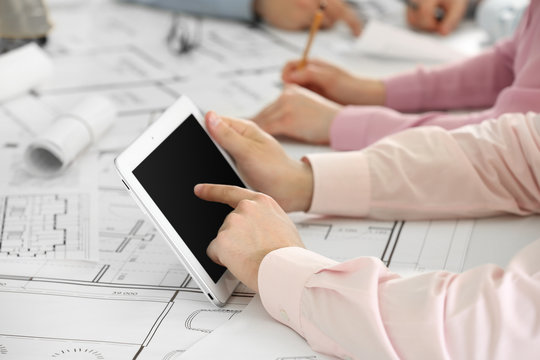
391, 42
53, 218
263, 338
22, 69
88, 321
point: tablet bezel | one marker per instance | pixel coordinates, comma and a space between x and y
134, 155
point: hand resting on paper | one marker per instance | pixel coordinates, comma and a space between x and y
300, 114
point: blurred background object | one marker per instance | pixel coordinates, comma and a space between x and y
21, 22
185, 34
500, 18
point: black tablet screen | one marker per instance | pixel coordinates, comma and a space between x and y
188, 157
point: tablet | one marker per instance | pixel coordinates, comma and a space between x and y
160, 170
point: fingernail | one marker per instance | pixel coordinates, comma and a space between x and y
213, 119
197, 189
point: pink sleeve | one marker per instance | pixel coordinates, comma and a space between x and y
472, 83
360, 310
478, 170
504, 79
357, 127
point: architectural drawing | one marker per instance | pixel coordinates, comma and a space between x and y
173, 354
120, 322
137, 301
199, 320
459, 245
53, 226
343, 239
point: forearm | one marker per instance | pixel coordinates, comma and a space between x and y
480, 170
356, 127
361, 310
472, 83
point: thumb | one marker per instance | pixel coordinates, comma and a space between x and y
225, 135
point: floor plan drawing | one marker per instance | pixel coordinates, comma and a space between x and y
200, 320
343, 239
55, 226
459, 245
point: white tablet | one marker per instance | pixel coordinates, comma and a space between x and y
161, 168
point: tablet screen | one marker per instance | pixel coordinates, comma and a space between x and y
188, 157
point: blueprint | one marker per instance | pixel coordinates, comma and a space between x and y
49, 226
83, 273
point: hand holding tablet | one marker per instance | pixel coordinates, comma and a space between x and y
162, 167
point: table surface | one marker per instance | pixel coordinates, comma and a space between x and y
137, 301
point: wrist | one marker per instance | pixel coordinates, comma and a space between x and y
306, 185
372, 92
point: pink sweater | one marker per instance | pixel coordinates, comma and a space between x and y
361, 310
504, 79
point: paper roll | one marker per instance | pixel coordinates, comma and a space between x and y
53, 151
22, 69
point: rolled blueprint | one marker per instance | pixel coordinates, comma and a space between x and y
22, 69
53, 151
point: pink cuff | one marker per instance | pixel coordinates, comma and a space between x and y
341, 184
282, 276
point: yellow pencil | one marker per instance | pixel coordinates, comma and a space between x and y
317, 20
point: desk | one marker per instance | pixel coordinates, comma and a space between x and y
137, 302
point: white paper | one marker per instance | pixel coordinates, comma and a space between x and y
47, 218
22, 69
48, 225
44, 319
262, 338
387, 41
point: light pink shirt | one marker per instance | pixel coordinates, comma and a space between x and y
504, 79
361, 310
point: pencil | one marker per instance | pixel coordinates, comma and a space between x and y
317, 20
